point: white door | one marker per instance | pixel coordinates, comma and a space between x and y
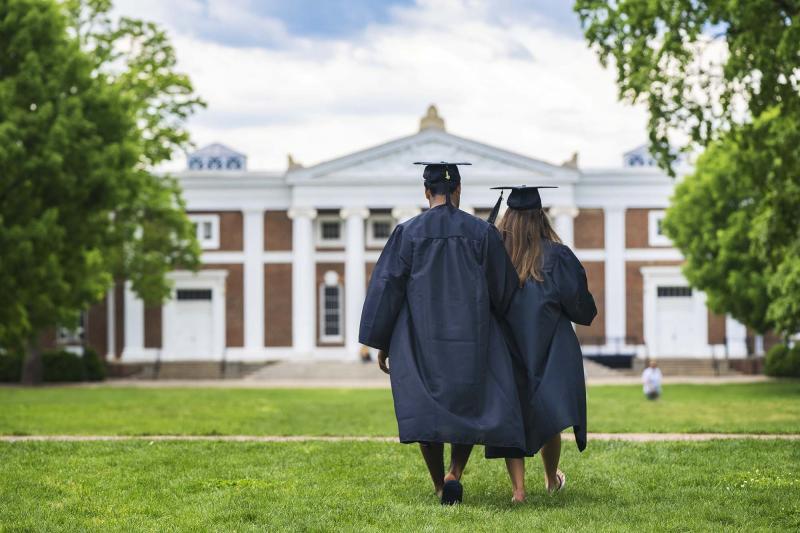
676, 331
193, 329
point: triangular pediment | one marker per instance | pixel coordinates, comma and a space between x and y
393, 161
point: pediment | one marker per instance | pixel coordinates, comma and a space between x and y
393, 161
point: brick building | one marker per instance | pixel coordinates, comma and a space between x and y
287, 255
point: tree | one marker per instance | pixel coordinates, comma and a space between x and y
720, 75
81, 127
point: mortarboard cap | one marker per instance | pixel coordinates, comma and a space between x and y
442, 177
521, 198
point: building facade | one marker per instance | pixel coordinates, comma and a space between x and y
287, 255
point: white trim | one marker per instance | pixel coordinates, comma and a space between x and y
205, 279
253, 229
222, 257
212, 242
134, 324
329, 243
111, 323
590, 254
653, 254
276, 257
615, 290
654, 237
321, 303
373, 241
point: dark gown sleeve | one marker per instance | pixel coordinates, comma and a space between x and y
386, 293
501, 276
570, 278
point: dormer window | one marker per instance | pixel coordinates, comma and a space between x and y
216, 157
214, 163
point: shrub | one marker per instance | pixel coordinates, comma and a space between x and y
10, 367
94, 365
61, 366
782, 361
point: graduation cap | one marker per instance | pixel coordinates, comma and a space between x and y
521, 198
442, 172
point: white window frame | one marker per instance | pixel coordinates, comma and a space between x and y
330, 243
213, 242
322, 336
655, 238
373, 241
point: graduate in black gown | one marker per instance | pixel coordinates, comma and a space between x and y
431, 307
553, 294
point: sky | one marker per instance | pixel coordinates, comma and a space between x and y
320, 79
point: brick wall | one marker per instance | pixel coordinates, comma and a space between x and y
716, 328
97, 328
321, 269
590, 229
277, 231
278, 304
595, 275
234, 303
636, 230
152, 327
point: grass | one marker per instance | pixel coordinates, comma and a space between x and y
313, 486
772, 407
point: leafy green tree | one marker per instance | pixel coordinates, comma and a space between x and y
720, 75
83, 121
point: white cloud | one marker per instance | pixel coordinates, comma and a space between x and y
516, 85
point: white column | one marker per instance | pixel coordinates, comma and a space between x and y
111, 323
402, 214
134, 324
253, 281
736, 337
303, 280
615, 275
563, 217
354, 275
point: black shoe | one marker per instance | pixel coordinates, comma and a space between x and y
452, 492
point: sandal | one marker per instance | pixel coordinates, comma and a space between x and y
562, 482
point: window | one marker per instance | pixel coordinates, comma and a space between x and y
656, 236
234, 163
214, 163
206, 229
195, 163
330, 309
379, 228
674, 292
71, 335
329, 231
193, 294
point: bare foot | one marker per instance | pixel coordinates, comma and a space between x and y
518, 496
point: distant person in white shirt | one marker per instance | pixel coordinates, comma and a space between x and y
651, 381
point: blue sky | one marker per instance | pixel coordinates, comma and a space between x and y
323, 78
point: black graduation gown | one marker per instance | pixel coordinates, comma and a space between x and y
431, 304
548, 355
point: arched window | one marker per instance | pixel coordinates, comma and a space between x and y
195, 163
214, 163
234, 163
330, 308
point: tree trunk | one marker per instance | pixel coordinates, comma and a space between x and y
32, 366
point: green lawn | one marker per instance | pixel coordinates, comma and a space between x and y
741, 408
167, 486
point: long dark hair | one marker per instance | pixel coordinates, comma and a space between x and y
523, 232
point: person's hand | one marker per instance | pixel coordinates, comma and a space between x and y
383, 360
